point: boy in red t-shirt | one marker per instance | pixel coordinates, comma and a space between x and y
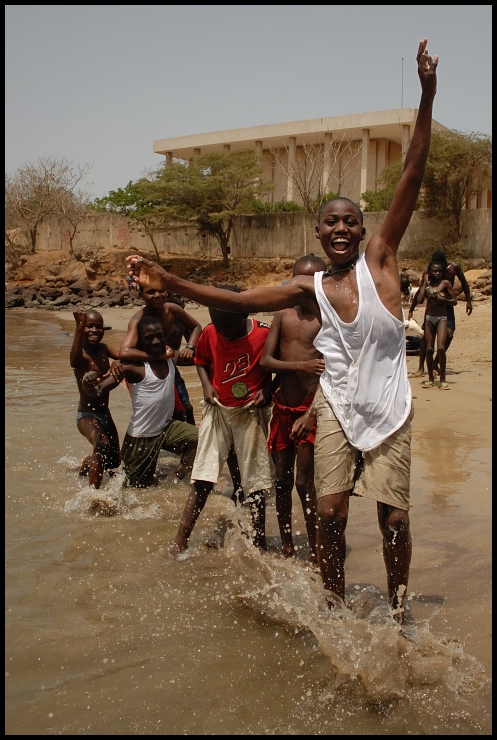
237, 392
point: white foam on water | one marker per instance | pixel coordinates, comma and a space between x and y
361, 640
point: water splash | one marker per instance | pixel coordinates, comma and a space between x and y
361, 640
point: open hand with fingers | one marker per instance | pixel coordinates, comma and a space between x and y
146, 273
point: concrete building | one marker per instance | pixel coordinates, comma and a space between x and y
340, 154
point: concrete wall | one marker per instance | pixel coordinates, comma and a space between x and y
263, 235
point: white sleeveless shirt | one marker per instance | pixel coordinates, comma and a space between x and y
153, 403
365, 377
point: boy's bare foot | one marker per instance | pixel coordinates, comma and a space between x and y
176, 549
312, 563
102, 507
85, 467
287, 551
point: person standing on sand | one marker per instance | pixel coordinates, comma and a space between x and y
364, 403
89, 353
289, 351
451, 270
440, 296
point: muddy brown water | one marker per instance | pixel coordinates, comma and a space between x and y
107, 635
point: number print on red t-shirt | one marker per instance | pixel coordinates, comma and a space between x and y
236, 368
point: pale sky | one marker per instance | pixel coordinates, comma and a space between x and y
99, 83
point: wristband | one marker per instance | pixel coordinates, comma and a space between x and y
190, 346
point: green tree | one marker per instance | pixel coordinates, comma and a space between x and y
148, 214
381, 198
208, 192
455, 164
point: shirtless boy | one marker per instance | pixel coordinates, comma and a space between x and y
156, 305
439, 295
289, 350
89, 353
364, 402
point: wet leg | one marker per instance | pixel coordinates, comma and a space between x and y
102, 451
186, 462
194, 505
332, 515
307, 494
284, 461
232, 463
257, 503
397, 550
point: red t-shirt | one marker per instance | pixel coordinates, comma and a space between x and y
233, 364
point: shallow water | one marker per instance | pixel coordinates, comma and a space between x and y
106, 635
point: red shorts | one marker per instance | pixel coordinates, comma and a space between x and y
282, 421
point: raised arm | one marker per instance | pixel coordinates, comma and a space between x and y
76, 356
385, 241
297, 290
192, 329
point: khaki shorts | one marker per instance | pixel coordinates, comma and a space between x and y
243, 427
384, 473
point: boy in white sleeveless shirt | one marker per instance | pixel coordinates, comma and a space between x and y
363, 404
151, 428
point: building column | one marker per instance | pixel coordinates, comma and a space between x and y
484, 198
325, 178
169, 158
196, 152
292, 155
406, 136
364, 162
226, 148
258, 150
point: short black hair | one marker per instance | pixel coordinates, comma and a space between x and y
146, 321
220, 313
325, 205
310, 259
439, 256
434, 262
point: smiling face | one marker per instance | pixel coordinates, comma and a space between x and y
340, 231
154, 297
94, 328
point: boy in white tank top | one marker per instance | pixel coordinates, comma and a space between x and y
349, 408
152, 428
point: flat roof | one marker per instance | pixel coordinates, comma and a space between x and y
385, 124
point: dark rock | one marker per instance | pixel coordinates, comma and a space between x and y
32, 304
116, 298
63, 300
13, 301
80, 284
54, 270
50, 293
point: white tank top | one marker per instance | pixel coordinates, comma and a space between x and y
365, 377
153, 403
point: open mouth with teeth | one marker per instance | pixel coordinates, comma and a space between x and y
340, 245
